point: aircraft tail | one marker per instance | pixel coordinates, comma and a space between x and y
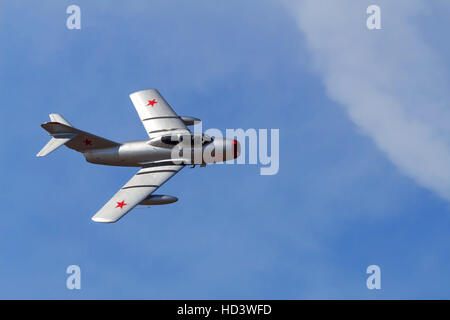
63, 133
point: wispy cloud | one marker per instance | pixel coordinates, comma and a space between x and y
391, 82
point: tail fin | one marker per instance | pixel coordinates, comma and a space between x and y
54, 117
62, 133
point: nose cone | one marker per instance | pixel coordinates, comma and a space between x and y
236, 148
222, 150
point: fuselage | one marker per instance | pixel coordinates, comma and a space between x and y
143, 152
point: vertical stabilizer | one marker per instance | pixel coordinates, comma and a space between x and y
55, 117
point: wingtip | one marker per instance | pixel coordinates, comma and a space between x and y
102, 220
143, 90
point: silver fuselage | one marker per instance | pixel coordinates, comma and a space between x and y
141, 153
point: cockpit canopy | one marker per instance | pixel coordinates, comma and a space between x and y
192, 140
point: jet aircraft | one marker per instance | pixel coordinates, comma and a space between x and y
170, 147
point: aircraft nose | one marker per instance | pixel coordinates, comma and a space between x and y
236, 148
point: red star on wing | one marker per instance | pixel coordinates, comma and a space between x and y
152, 102
87, 142
121, 204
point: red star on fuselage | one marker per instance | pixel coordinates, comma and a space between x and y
87, 142
152, 102
121, 204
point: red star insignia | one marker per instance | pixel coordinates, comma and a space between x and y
121, 204
87, 142
152, 102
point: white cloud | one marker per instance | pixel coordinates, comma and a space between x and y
391, 82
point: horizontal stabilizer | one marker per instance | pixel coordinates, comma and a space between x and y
54, 144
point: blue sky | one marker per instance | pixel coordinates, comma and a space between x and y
348, 194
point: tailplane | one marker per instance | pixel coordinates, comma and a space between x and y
63, 133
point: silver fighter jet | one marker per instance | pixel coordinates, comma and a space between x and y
170, 148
